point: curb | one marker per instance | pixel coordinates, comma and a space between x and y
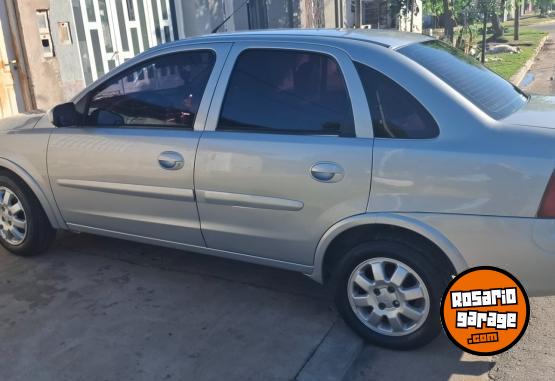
519, 76
334, 356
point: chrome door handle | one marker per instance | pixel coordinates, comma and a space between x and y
327, 172
171, 161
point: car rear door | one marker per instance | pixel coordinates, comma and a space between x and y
286, 153
128, 170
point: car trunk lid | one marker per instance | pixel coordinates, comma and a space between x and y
538, 112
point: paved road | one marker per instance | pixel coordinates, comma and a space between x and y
543, 70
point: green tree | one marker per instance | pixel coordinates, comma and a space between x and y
463, 12
486, 8
434, 8
516, 24
496, 26
448, 20
544, 6
441, 9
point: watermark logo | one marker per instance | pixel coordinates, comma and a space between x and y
485, 310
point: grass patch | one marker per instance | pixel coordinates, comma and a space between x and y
529, 20
509, 64
506, 64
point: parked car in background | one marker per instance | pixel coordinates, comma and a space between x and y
381, 162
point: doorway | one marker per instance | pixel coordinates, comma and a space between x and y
11, 98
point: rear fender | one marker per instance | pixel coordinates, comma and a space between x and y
392, 219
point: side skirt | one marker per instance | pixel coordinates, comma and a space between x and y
195, 249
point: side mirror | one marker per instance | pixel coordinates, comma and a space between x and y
64, 115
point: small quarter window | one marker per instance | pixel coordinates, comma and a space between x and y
395, 112
287, 92
163, 92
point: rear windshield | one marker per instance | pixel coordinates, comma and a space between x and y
491, 93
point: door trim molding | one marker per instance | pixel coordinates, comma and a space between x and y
130, 189
248, 201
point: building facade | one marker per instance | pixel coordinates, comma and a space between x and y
379, 14
52, 49
57, 47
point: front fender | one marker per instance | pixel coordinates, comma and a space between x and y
393, 219
47, 203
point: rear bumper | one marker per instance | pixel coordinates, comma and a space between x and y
523, 246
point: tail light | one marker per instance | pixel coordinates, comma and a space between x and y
547, 207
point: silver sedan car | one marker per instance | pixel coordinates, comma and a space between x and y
382, 163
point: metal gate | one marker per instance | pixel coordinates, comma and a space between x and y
116, 30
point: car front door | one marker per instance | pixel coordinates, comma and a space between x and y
128, 169
286, 153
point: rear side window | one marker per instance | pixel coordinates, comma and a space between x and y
163, 92
395, 112
287, 92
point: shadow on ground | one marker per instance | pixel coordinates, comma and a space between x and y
440, 360
94, 308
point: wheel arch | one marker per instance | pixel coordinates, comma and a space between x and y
328, 251
51, 212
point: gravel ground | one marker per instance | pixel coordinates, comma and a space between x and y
532, 357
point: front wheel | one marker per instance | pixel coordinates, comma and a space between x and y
24, 227
390, 294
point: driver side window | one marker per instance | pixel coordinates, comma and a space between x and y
162, 92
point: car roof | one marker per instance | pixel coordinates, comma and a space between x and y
387, 38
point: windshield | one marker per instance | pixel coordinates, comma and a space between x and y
491, 93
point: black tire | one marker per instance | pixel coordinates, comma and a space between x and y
411, 255
40, 233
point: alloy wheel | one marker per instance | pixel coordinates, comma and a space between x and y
13, 220
388, 296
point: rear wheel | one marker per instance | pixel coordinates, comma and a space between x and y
390, 294
24, 227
